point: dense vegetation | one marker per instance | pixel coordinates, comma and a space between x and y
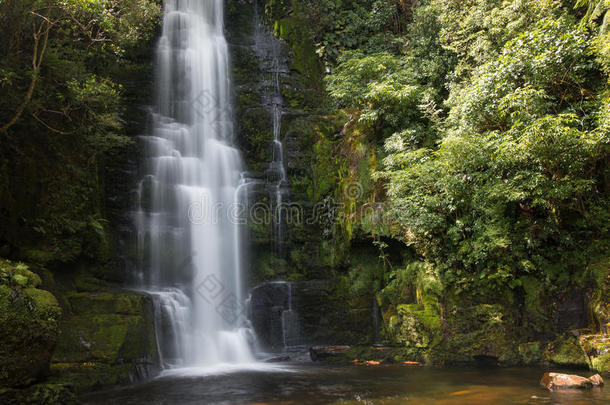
62, 118
478, 130
489, 119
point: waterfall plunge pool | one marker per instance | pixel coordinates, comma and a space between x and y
311, 383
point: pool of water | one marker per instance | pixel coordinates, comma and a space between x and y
385, 384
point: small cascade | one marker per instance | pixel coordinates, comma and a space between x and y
376, 314
172, 325
274, 317
269, 51
291, 332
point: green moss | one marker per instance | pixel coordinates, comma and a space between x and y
105, 340
597, 350
481, 331
531, 353
292, 28
89, 376
39, 394
566, 351
28, 326
419, 324
18, 275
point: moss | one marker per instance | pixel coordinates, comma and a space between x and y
39, 394
267, 266
566, 351
106, 340
531, 353
598, 273
419, 324
89, 376
18, 275
292, 28
28, 326
538, 314
106, 303
481, 331
597, 350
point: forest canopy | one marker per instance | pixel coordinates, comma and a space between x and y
490, 120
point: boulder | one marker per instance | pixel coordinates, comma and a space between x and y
268, 304
108, 338
29, 326
554, 381
597, 380
597, 348
566, 351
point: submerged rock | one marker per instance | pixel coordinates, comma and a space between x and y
554, 381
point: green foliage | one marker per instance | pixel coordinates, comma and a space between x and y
371, 26
494, 143
543, 70
62, 117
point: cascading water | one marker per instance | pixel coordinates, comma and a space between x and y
188, 241
269, 52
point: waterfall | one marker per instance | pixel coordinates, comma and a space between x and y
268, 50
189, 239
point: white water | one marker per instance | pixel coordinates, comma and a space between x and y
189, 244
269, 52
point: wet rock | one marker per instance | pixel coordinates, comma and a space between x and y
268, 301
277, 359
554, 381
317, 353
597, 380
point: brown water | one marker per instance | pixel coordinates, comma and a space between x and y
392, 384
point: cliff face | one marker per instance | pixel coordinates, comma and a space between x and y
343, 260
305, 254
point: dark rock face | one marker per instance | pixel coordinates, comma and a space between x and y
268, 302
318, 353
572, 311
300, 313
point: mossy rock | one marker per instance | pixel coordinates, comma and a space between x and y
29, 326
418, 325
597, 349
89, 376
566, 351
599, 304
107, 339
531, 353
39, 394
478, 332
